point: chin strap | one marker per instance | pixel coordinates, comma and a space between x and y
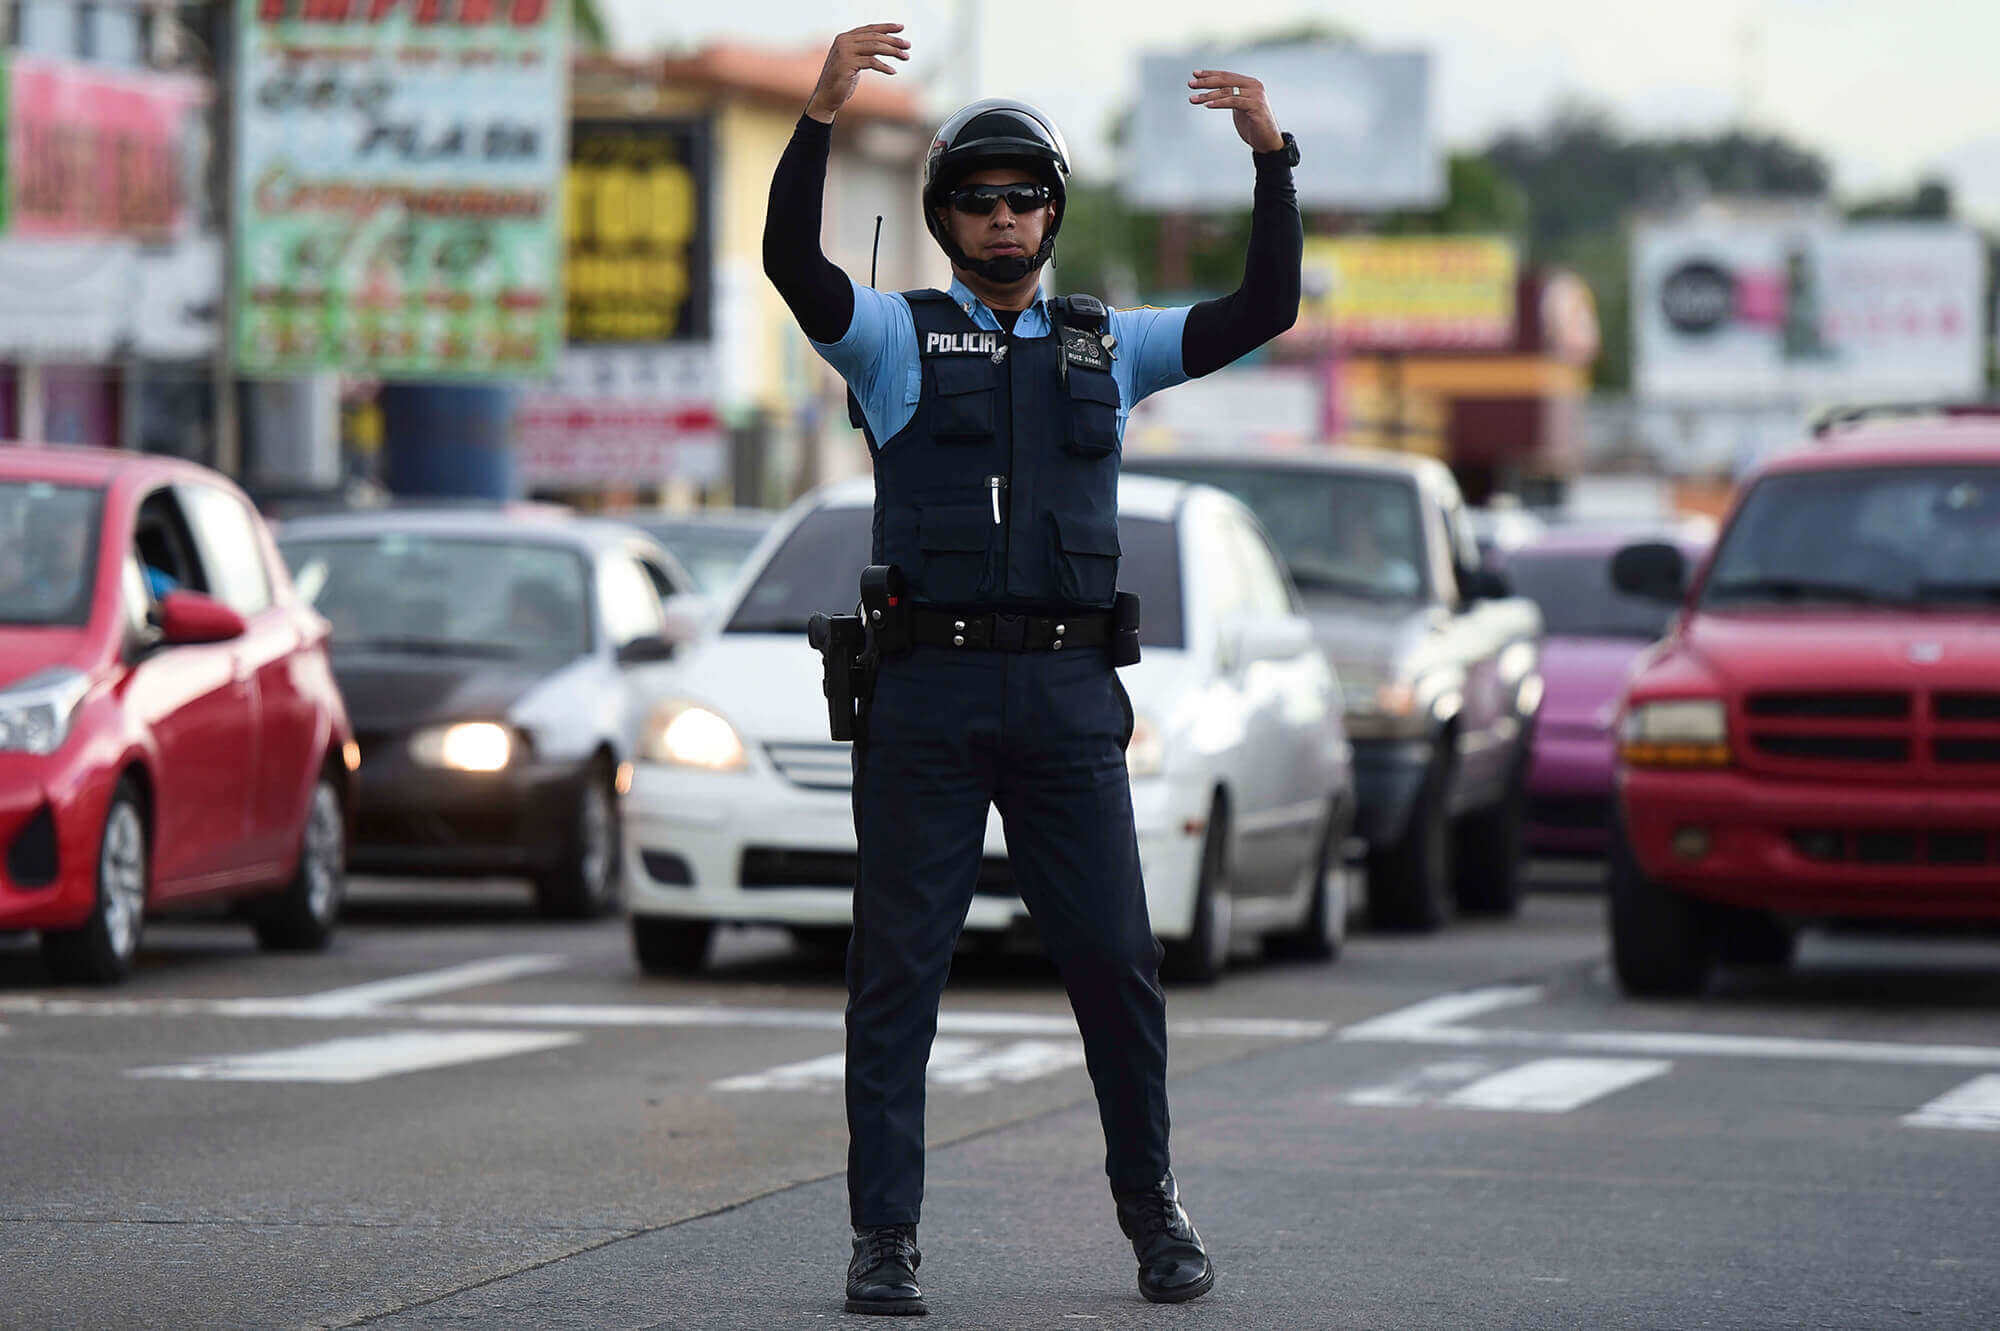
1010, 269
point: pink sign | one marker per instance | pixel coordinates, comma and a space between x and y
94, 152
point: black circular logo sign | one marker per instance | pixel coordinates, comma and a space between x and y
1698, 297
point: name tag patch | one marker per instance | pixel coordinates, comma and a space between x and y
984, 343
1083, 348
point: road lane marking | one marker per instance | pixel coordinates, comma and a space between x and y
1420, 1086
365, 1057
956, 1064
1974, 1106
471, 975
1556, 1085
1442, 1013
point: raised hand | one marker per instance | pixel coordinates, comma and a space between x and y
1243, 96
852, 52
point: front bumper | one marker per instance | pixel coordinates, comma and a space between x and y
1388, 776
418, 821
1818, 848
753, 848
51, 817
1569, 792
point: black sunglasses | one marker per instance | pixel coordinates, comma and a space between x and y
980, 199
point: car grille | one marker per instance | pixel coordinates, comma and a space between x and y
1943, 847
775, 867
1945, 737
814, 766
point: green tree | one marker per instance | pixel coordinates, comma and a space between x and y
587, 22
1930, 201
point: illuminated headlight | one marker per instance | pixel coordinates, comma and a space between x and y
35, 713
689, 735
1147, 753
1687, 732
470, 746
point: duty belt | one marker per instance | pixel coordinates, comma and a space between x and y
1000, 632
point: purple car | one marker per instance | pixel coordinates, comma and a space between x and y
1594, 632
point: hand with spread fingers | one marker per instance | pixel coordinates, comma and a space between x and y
852, 52
1243, 96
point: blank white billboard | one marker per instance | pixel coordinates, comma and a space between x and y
1363, 119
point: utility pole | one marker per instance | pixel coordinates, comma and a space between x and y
228, 455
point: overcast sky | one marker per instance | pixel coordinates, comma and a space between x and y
1887, 89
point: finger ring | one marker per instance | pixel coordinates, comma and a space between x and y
1235, 91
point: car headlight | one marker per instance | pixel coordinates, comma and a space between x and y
689, 735
469, 746
35, 712
1683, 732
1146, 754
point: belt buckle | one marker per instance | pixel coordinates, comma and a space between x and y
1010, 632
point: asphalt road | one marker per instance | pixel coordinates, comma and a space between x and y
465, 1117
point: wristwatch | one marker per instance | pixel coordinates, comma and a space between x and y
1289, 154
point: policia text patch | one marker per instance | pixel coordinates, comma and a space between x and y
961, 344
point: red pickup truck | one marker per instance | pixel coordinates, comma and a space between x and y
1818, 736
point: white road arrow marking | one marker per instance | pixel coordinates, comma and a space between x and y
1974, 1106
966, 1066
1556, 1085
1420, 1086
364, 1058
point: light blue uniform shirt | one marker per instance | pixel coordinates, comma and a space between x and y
878, 357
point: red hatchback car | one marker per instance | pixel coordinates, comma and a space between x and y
1819, 735
170, 732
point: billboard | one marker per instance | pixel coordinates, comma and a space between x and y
1409, 293
635, 231
398, 170
1363, 119
1760, 310
635, 416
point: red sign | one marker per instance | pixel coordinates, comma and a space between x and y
95, 152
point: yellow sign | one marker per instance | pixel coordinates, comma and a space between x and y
1410, 293
637, 263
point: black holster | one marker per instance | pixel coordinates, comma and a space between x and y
851, 647
1123, 644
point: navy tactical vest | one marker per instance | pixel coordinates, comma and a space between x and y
1003, 488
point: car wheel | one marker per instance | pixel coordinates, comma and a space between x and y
1409, 880
586, 886
1659, 945
1324, 929
1203, 955
302, 918
1487, 852
669, 946
827, 940
101, 950
1744, 937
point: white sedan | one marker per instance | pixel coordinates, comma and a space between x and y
1242, 782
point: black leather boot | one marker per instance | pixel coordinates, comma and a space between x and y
882, 1278
1173, 1266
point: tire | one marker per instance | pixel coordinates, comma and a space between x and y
1409, 881
1320, 935
587, 884
1486, 852
825, 940
668, 946
1203, 955
1660, 945
303, 917
101, 950
1745, 937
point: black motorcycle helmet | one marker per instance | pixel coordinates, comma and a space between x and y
996, 132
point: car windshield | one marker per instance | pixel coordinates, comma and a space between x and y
712, 553
446, 595
1574, 592
1902, 536
1349, 533
48, 552
818, 569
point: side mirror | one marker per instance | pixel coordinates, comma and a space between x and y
1270, 640
646, 651
190, 617
1485, 584
1653, 570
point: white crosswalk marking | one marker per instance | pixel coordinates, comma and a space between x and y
364, 1058
957, 1064
1544, 1086
1974, 1106
1556, 1085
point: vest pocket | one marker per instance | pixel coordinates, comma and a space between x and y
1093, 413
955, 542
1086, 560
962, 412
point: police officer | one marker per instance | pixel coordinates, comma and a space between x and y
995, 416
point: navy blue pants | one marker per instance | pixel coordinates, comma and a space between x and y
1041, 736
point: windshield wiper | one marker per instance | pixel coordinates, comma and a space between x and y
435, 647
1798, 589
1958, 591
1313, 579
